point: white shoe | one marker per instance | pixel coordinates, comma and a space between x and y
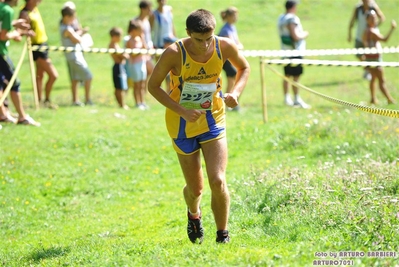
300, 103
288, 101
78, 104
9, 118
141, 107
28, 121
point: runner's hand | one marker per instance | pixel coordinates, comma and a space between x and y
231, 100
192, 115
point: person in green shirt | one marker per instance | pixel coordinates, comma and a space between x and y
7, 32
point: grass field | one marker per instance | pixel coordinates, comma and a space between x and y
101, 186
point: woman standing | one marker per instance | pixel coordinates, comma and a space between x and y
230, 16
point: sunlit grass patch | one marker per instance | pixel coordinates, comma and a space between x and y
337, 208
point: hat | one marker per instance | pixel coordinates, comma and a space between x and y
169, 39
69, 4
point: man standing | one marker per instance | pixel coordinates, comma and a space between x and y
6, 65
292, 37
161, 21
195, 114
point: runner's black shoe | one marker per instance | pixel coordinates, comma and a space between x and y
222, 236
194, 229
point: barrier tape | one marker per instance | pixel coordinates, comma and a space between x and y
320, 52
247, 53
69, 49
330, 63
379, 111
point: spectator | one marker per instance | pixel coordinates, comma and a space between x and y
76, 25
230, 16
161, 21
136, 66
359, 16
371, 39
167, 41
6, 65
119, 68
145, 12
78, 68
292, 37
86, 40
30, 13
195, 114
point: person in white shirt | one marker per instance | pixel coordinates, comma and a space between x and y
292, 37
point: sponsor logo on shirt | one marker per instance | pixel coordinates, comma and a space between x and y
201, 71
200, 77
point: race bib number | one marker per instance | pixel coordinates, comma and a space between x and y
197, 95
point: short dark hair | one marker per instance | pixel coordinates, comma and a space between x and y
144, 4
67, 11
134, 24
290, 4
115, 31
200, 21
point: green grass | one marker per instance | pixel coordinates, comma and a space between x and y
100, 186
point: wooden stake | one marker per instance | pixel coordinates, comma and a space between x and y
262, 81
33, 72
14, 77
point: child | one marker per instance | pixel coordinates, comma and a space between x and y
77, 65
371, 39
31, 14
136, 66
118, 71
76, 25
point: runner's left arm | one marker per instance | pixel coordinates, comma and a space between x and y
230, 51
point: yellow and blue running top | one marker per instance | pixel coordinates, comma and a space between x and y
194, 72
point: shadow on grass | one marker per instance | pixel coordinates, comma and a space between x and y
61, 87
333, 83
48, 253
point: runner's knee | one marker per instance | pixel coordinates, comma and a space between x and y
218, 184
